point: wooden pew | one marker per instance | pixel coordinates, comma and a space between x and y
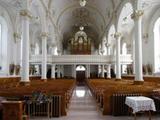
61, 87
103, 90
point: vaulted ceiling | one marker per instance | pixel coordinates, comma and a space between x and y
66, 16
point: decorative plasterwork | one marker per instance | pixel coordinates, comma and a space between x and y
136, 14
75, 6
82, 15
44, 34
26, 13
17, 36
117, 35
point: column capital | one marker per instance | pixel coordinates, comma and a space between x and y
44, 34
136, 14
26, 13
117, 35
17, 36
107, 45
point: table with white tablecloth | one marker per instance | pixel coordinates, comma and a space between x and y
140, 103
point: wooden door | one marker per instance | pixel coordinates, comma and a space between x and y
80, 77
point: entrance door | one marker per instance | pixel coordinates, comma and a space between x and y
80, 76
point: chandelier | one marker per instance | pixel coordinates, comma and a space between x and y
82, 3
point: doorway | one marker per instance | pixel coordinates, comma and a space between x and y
80, 75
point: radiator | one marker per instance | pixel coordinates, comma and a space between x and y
157, 104
35, 108
118, 103
56, 106
50, 108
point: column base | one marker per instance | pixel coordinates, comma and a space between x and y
136, 82
44, 80
24, 83
118, 79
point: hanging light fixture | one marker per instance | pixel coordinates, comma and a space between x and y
82, 3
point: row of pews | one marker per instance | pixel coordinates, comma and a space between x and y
110, 94
50, 98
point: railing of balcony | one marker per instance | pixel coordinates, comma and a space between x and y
82, 59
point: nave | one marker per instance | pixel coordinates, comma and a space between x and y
83, 107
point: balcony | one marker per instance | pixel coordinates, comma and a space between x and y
81, 59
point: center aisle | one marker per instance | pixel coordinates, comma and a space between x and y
82, 106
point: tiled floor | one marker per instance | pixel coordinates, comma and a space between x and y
83, 107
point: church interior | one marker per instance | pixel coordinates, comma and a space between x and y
79, 59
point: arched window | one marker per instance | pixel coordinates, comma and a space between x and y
80, 68
3, 46
111, 40
124, 52
124, 49
56, 51
37, 49
0, 44
157, 44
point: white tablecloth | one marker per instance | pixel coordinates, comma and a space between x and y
140, 103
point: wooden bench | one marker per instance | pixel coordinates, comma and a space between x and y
61, 87
103, 90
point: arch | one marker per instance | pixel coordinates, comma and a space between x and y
111, 39
80, 68
111, 33
125, 15
156, 45
151, 40
3, 44
7, 23
119, 10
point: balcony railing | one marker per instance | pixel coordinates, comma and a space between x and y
82, 59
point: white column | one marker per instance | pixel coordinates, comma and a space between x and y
88, 71
62, 70
133, 57
108, 66
137, 16
102, 71
99, 71
44, 55
118, 63
59, 71
108, 71
53, 71
74, 71
25, 45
